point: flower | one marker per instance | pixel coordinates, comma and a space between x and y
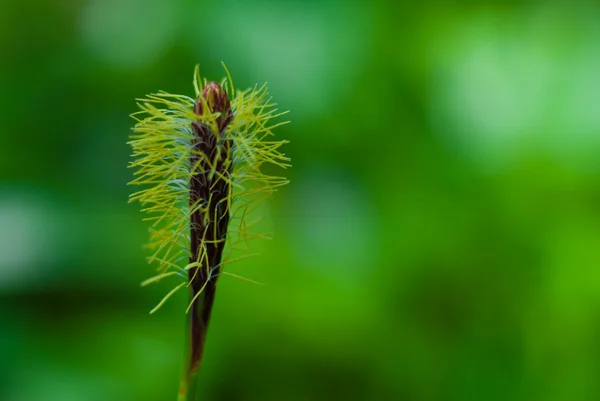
199, 161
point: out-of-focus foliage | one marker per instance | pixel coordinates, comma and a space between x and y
439, 241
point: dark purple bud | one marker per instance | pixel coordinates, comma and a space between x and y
217, 102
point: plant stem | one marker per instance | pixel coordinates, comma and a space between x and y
197, 327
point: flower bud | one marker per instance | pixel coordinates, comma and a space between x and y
216, 99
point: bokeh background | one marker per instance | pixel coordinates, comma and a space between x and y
439, 240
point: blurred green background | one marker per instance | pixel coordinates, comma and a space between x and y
439, 240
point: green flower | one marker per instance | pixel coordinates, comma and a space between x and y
199, 161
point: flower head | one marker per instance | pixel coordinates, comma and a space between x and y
199, 161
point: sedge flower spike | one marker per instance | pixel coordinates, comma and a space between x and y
199, 162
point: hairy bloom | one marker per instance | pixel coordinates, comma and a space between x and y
199, 161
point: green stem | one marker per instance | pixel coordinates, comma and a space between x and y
197, 327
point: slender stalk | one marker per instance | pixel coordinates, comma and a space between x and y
197, 328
